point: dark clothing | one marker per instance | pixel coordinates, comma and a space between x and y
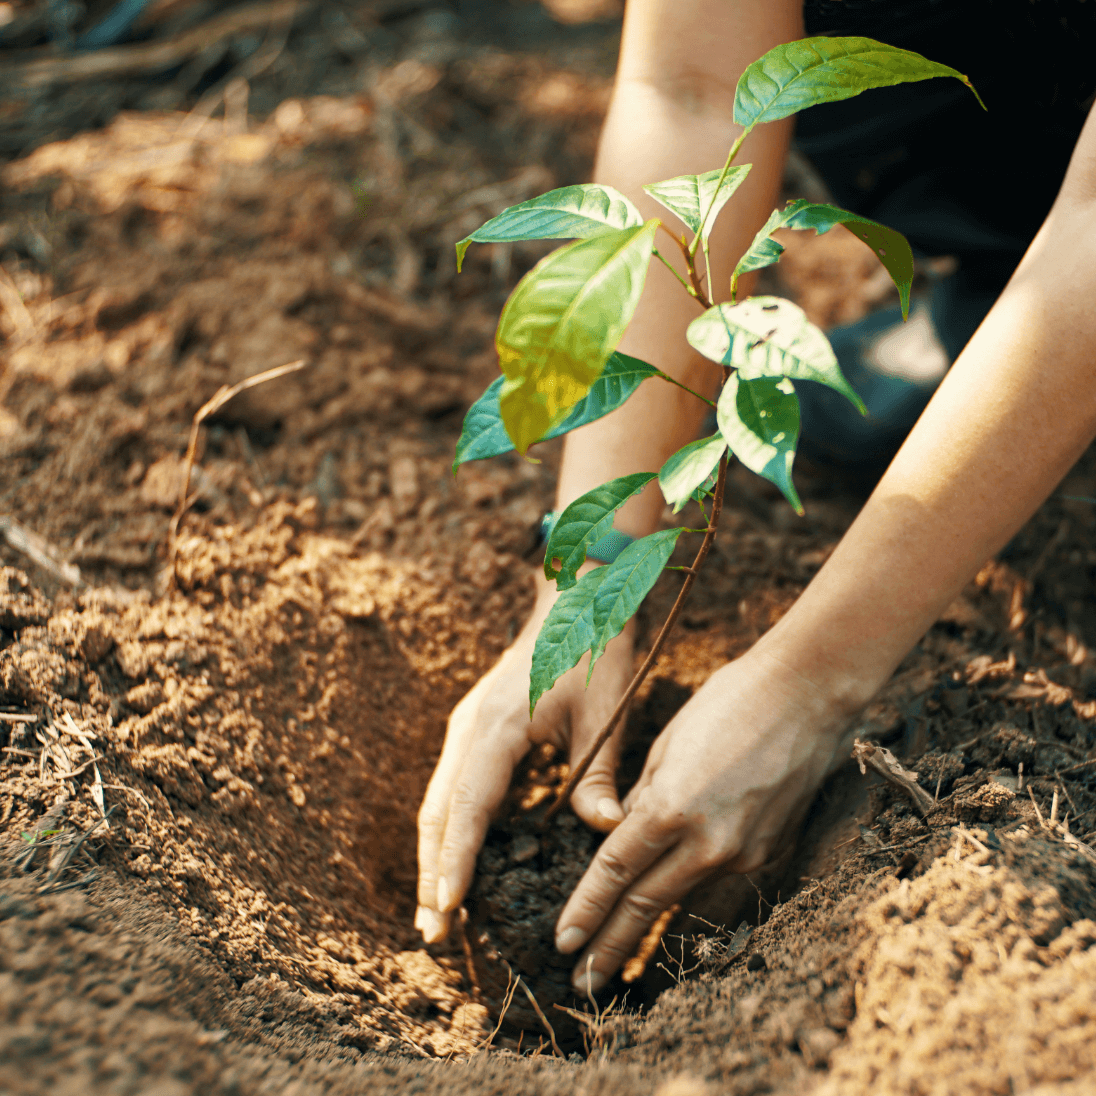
925, 159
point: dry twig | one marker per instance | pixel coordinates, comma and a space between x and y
511, 989
149, 57
543, 1018
39, 550
64, 861
215, 403
882, 761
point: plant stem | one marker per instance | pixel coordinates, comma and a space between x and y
667, 377
579, 770
715, 194
697, 289
669, 266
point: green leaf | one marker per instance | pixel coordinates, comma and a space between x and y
570, 213
689, 469
689, 196
890, 247
588, 615
759, 417
562, 322
769, 337
802, 74
628, 580
585, 522
763, 250
565, 636
484, 435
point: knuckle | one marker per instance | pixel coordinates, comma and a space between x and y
661, 813
615, 870
466, 813
431, 817
641, 908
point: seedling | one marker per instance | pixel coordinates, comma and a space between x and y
558, 333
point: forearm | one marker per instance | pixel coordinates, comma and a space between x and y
671, 115
1015, 412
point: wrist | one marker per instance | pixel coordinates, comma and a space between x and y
843, 686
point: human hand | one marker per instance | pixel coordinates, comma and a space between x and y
488, 734
721, 783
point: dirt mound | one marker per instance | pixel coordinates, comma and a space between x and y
211, 769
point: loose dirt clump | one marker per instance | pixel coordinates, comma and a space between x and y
524, 876
211, 765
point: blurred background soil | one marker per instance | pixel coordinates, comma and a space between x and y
211, 768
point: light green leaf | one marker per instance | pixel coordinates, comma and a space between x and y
483, 434
689, 196
585, 522
759, 417
769, 337
890, 247
565, 636
570, 213
562, 322
689, 469
802, 74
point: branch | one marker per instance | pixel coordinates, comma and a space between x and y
579, 770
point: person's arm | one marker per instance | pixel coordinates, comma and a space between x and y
1014, 413
670, 115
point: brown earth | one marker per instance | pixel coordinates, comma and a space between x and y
259, 720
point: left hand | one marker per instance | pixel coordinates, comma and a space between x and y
720, 785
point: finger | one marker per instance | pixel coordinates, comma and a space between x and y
639, 907
595, 799
483, 783
434, 812
624, 855
650, 768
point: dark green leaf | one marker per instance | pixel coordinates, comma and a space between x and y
759, 417
484, 435
588, 615
802, 74
565, 636
690, 196
890, 247
627, 582
585, 522
689, 469
769, 337
562, 322
570, 213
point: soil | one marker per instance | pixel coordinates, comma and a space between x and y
211, 764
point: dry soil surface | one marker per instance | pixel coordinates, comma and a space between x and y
212, 756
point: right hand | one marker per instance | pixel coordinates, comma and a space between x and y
488, 734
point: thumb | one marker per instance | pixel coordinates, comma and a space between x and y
595, 799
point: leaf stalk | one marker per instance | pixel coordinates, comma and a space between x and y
667, 377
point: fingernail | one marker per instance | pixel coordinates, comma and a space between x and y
570, 939
589, 981
443, 895
609, 809
431, 924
